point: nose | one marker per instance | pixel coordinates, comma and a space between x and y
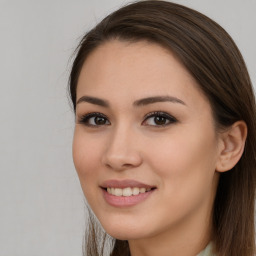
122, 150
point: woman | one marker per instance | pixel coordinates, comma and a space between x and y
164, 143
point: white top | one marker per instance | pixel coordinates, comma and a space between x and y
207, 251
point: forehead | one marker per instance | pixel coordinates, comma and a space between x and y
141, 69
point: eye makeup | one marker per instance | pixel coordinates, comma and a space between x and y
94, 119
155, 118
158, 119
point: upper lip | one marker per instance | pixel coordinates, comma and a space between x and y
124, 184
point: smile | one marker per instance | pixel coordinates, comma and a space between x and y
127, 191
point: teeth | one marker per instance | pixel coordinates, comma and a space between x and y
127, 191
118, 191
142, 190
135, 191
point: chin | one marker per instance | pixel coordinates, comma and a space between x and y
124, 235
124, 232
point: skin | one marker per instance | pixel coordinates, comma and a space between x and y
179, 158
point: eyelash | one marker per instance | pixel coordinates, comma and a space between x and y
85, 119
168, 118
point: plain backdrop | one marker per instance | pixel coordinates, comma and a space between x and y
41, 202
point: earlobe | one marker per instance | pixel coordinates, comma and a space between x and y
232, 144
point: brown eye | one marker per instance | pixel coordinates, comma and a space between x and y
99, 120
94, 119
159, 119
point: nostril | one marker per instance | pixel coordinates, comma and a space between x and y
127, 165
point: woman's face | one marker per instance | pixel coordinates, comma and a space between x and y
145, 147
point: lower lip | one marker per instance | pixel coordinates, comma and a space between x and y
126, 201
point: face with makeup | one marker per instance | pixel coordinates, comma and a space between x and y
145, 146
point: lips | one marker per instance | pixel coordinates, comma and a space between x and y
124, 193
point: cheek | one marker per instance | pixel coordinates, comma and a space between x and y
186, 168
186, 160
86, 157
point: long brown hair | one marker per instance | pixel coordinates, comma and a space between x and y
213, 59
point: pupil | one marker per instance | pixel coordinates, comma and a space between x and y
100, 120
160, 120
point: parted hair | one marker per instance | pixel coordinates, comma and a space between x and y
213, 59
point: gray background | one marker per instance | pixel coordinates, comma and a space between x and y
41, 203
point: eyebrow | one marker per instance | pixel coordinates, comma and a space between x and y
151, 100
93, 100
137, 103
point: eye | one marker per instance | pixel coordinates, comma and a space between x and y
159, 119
94, 119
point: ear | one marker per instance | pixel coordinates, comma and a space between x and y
231, 146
